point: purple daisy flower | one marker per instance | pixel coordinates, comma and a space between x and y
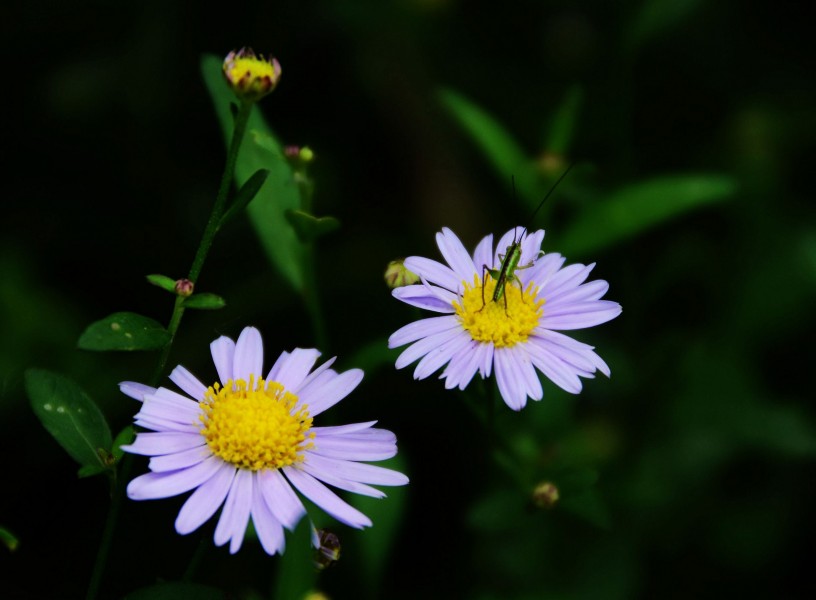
514, 336
248, 443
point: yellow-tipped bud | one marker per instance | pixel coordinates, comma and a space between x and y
396, 275
328, 550
251, 77
545, 495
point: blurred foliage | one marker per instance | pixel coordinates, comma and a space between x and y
688, 474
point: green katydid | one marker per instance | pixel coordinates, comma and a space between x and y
512, 255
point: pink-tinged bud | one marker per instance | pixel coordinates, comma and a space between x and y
396, 275
251, 77
545, 495
184, 288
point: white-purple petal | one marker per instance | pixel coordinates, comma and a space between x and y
314, 375
483, 255
223, 350
559, 372
292, 373
347, 448
509, 380
248, 358
440, 355
326, 499
343, 429
419, 296
455, 254
580, 316
157, 444
268, 528
235, 516
434, 272
202, 503
356, 471
422, 328
525, 367
136, 390
164, 485
179, 460
593, 290
319, 398
566, 279
330, 477
423, 346
188, 383
280, 498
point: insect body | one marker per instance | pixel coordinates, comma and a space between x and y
512, 256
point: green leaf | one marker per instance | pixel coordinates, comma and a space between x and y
378, 542
246, 194
9, 539
164, 282
70, 416
563, 124
92, 470
589, 506
655, 17
296, 570
123, 438
124, 331
177, 590
204, 301
260, 150
373, 356
641, 206
308, 227
498, 146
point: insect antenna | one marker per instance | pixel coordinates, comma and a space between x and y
547, 195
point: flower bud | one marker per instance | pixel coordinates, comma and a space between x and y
328, 549
251, 77
396, 275
545, 495
184, 287
298, 156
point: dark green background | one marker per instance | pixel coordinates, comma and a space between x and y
703, 442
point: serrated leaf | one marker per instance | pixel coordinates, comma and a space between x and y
261, 150
308, 227
177, 590
69, 415
124, 331
246, 194
641, 206
164, 282
204, 301
498, 146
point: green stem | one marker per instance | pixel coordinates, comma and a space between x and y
207, 238
310, 294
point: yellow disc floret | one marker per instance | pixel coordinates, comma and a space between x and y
255, 426
494, 322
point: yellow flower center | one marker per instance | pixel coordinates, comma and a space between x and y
251, 68
255, 426
496, 322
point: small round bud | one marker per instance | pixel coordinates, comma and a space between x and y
298, 156
551, 163
328, 549
545, 495
184, 288
396, 275
250, 77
